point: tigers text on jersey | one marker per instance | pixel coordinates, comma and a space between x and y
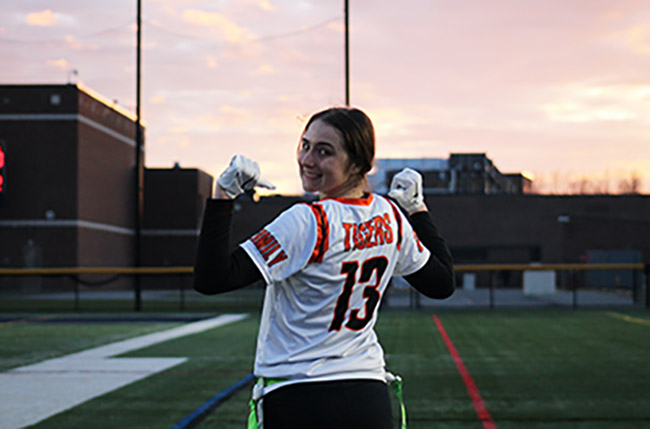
327, 266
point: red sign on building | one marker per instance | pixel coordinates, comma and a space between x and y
2, 167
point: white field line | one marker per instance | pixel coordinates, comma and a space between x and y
35, 392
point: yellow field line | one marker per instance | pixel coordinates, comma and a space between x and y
189, 270
541, 267
93, 270
630, 319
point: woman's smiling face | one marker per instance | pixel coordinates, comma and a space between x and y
324, 163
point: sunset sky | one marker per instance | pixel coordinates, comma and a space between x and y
559, 89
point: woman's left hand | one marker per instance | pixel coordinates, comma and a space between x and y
406, 189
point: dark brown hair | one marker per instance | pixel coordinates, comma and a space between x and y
357, 131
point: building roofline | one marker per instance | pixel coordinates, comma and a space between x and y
82, 88
111, 105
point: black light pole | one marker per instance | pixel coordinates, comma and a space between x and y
138, 161
347, 57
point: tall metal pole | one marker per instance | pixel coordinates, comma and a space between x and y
347, 56
647, 285
139, 170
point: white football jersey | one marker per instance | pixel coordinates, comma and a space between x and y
327, 266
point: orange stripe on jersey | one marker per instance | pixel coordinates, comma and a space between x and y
417, 241
323, 232
398, 218
366, 200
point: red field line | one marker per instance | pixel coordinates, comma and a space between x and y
479, 405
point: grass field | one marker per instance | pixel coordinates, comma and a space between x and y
533, 368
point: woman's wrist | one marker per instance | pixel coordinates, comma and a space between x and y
219, 193
422, 208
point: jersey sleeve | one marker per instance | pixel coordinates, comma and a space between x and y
412, 255
284, 246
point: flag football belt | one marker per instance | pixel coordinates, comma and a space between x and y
255, 418
396, 385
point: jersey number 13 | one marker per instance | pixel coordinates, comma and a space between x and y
377, 264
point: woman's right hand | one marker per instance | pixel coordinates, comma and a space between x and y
243, 174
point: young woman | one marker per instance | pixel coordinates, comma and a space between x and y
326, 266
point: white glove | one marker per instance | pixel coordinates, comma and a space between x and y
406, 189
242, 175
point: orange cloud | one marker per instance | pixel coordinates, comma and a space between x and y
264, 70
601, 103
234, 115
211, 62
635, 39
157, 100
228, 29
61, 64
45, 18
336, 26
265, 5
638, 40
76, 45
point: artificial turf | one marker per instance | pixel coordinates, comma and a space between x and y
533, 368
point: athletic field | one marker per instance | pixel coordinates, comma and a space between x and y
462, 368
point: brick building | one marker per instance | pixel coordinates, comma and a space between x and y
70, 161
69, 194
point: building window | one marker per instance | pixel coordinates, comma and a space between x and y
55, 99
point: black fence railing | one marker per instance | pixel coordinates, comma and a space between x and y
169, 289
535, 285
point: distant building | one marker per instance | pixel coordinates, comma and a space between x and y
461, 173
173, 208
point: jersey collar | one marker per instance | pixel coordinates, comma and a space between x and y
366, 200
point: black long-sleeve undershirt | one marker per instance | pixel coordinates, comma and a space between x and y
218, 270
436, 278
